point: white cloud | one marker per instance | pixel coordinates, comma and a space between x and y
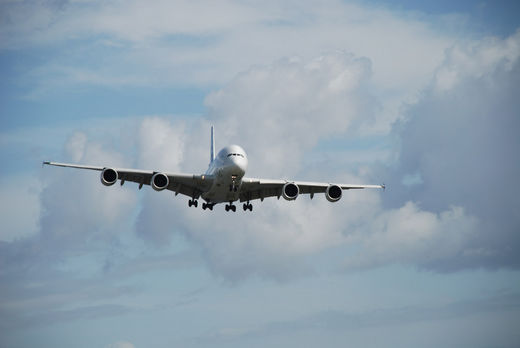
461, 142
281, 110
462, 137
277, 112
409, 235
186, 43
161, 144
76, 208
475, 60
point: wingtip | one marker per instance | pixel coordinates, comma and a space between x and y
383, 186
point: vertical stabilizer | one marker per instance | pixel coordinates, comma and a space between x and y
212, 153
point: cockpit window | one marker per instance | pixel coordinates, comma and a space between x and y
235, 154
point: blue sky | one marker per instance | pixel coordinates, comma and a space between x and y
419, 96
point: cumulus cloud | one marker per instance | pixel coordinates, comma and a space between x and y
161, 144
475, 60
281, 110
461, 140
454, 139
278, 112
76, 213
412, 236
96, 209
456, 142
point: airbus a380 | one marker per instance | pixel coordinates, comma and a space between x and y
224, 181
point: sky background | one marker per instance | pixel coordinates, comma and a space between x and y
420, 96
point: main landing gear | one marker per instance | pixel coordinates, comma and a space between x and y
231, 207
195, 203
207, 206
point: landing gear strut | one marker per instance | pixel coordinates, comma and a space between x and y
193, 202
247, 206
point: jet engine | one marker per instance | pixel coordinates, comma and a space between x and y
333, 193
160, 181
108, 176
290, 191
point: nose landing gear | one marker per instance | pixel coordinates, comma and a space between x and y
233, 187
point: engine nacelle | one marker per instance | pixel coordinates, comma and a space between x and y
290, 191
333, 193
108, 176
160, 181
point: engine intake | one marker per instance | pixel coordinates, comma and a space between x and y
108, 176
160, 181
290, 191
333, 193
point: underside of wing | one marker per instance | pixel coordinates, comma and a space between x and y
186, 184
252, 189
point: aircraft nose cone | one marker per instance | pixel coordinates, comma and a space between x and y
240, 163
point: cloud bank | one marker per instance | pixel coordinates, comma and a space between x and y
459, 138
457, 142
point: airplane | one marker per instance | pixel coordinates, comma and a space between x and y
223, 182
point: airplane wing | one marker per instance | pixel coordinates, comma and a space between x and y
186, 184
253, 188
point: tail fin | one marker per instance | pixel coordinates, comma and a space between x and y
212, 153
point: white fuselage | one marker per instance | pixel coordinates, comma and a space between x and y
227, 169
